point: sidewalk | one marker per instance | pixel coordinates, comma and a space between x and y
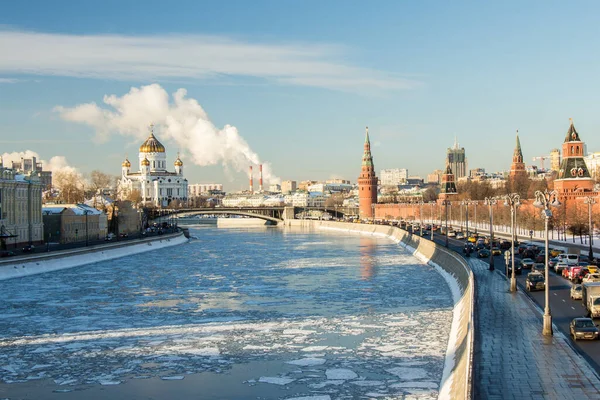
512, 360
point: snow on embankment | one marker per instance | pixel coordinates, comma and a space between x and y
456, 378
46, 262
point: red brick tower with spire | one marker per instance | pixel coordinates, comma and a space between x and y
367, 182
573, 175
517, 168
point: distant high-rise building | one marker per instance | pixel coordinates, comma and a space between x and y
555, 160
435, 176
456, 159
288, 187
27, 165
573, 175
592, 160
393, 177
517, 168
367, 182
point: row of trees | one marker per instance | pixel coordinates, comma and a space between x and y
72, 187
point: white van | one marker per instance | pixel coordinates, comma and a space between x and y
570, 259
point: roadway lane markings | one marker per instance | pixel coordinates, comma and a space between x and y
572, 307
554, 294
564, 301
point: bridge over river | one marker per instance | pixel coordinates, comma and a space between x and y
274, 214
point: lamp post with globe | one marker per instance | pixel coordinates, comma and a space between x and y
543, 200
513, 201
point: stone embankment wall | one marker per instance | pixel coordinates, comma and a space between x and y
456, 380
45, 262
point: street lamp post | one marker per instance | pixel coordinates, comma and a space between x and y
512, 200
542, 199
590, 201
86, 227
474, 202
491, 202
431, 203
421, 217
446, 203
466, 204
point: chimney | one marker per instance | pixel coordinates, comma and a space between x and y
251, 184
260, 185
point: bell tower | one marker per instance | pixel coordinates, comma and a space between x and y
367, 182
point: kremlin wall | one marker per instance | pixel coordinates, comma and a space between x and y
573, 184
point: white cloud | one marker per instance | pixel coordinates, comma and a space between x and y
56, 164
191, 57
180, 119
8, 80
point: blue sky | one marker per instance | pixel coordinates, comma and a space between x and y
301, 79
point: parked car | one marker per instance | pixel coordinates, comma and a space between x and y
576, 292
540, 257
583, 328
535, 281
591, 278
496, 251
459, 235
538, 267
451, 233
526, 263
7, 253
28, 248
578, 278
555, 252
110, 236
574, 272
518, 268
483, 253
558, 268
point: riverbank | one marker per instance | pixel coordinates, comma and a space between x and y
47, 262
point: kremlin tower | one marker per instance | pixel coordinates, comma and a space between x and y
448, 188
517, 169
573, 175
367, 182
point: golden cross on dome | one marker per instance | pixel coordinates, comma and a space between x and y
152, 128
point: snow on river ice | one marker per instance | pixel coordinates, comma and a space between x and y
343, 315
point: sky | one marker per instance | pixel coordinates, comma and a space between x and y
293, 84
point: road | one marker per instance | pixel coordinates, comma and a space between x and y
562, 308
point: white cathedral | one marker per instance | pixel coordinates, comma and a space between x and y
157, 186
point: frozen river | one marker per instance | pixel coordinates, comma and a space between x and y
260, 313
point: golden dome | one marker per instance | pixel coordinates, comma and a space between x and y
126, 163
145, 162
152, 145
178, 162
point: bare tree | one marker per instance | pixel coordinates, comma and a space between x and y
134, 196
336, 199
100, 180
70, 185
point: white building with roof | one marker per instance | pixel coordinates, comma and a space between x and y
157, 186
20, 208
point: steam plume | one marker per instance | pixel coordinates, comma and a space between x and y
182, 120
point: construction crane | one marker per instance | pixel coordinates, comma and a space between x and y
541, 158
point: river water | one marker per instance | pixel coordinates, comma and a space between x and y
235, 313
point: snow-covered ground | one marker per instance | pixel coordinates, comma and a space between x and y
337, 317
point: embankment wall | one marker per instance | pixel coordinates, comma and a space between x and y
56, 260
